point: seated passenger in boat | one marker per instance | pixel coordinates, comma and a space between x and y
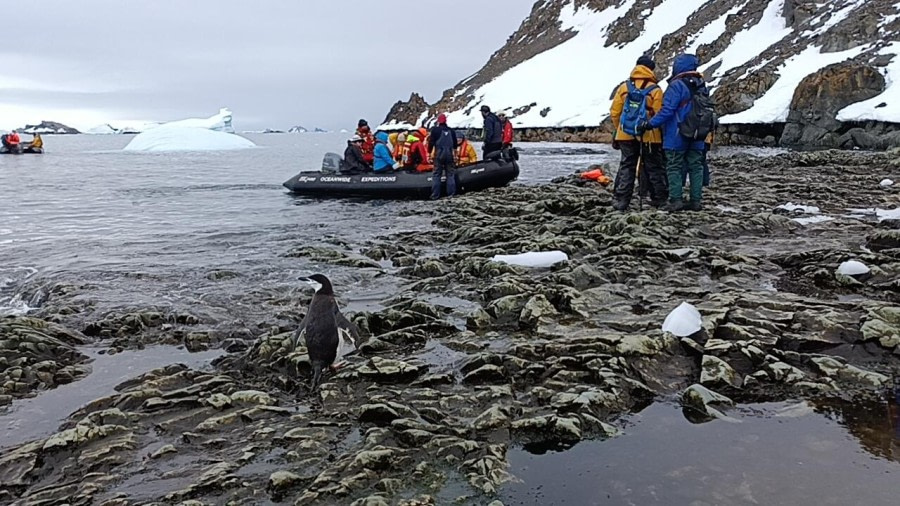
36, 143
465, 152
418, 155
384, 159
353, 161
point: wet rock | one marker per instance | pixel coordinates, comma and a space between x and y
549, 428
494, 418
163, 451
379, 414
486, 374
834, 368
717, 372
384, 370
703, 400
279, 481
537, 309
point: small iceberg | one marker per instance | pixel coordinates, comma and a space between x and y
683, 321
799, 208
853, 268
210, 134
535, 259
886, 183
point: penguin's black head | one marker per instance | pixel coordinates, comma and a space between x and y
324, 285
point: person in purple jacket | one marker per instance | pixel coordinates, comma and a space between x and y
681, 151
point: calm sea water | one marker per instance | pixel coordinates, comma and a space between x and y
139, 229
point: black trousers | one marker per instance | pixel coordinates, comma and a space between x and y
490, 147
653, 171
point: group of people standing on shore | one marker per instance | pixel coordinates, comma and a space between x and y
663, 136
440, 149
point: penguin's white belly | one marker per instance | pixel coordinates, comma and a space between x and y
346, 345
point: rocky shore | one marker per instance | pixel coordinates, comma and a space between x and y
472, 358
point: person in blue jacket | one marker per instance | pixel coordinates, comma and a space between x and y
680, 151
384, 158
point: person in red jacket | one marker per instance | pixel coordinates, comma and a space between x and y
507, 135
368, 144
418, 155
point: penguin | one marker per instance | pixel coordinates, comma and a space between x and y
328, 335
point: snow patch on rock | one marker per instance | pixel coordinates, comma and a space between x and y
853, 268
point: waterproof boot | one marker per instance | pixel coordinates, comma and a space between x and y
620, 205
674, 206
658, 204
694, 206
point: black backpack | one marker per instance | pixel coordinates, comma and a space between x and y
701, 120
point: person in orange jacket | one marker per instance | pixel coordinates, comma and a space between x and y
465, 152
401, 148
418, 155
636, 99
368, 144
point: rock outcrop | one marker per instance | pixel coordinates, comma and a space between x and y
49, 127
813, 60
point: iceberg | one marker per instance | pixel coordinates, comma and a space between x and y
220, 122
186, 139
683, 321
535, 259
195, 134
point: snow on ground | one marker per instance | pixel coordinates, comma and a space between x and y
748, 44
873, 109
853, 268
683, 321
811, 220
774, 105
535, 259
582, 66
711, 32
881, 214
181, 138
791, 208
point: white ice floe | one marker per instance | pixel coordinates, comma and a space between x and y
535, 259
220, 122
791, 208
886, 183
810, 220
683, 321
853, 268
186, 139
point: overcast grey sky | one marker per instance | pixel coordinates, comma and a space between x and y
275, 63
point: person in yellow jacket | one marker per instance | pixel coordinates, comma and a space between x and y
465, 152
638, 99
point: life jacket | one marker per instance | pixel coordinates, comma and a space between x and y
424, 137
596, 175
635, 110
418, 157
37, 142
462, 154
401, 148
368, 144
12, 139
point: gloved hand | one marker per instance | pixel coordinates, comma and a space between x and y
615, 145
397, 166
642, 127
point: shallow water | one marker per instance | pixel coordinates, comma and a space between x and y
142, 229
32, 418
778, 454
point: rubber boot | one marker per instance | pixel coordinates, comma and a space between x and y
674, 206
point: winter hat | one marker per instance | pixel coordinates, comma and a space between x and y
442, 119
646, 61
485, 108
362, 122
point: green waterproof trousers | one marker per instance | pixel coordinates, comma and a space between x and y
675, 163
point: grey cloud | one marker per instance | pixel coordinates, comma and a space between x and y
275, 63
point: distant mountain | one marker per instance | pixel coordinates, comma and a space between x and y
297, 130
822, 73
320, 131
49, 127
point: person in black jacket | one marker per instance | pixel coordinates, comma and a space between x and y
443, 141
493, 131
353, 161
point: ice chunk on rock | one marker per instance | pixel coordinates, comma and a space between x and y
186, 139
798, 208
853, 268
684, 321
535, 259
886, 183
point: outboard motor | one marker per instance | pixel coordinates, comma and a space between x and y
511, 154
331, 162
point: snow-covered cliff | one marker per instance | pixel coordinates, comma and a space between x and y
816, 69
